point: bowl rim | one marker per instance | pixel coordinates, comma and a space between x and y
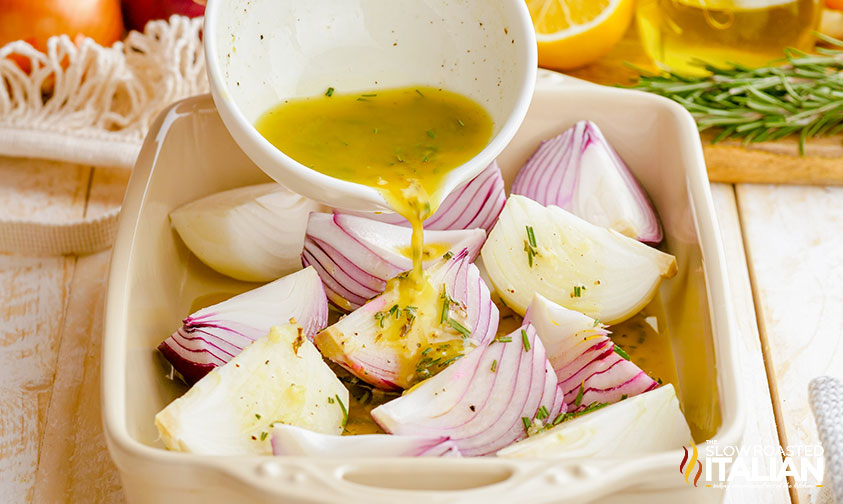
260, 150
598, 477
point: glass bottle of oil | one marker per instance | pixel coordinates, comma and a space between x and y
675, 33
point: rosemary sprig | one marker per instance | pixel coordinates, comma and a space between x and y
803, 96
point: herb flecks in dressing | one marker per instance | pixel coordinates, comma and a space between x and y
402, 142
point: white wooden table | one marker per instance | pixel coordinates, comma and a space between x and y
784, 248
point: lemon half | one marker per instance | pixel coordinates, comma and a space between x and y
573, 33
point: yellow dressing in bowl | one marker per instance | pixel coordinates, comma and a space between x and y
386, 139
402, 142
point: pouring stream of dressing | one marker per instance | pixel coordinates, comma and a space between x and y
402, 142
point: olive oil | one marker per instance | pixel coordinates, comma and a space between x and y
647, 346
675, 33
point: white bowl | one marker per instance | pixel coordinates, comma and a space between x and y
261, 52
155, 281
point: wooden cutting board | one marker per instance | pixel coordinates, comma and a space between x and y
732, 161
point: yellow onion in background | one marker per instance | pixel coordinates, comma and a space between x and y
37, 21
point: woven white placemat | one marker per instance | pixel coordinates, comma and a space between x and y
91, 105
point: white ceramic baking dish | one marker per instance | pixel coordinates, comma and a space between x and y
155, 281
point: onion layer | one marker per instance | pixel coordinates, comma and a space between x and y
588, 366
290, 440
475, 204
579, 171
356, 256
383, 345
280, 378
576, 264
253, 233
485, 401
649, 423
212, 336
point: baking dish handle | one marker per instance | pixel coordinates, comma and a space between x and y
437, 480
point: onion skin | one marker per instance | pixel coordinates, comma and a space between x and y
355, 256
476, 204
212, 336
588, 368
606, 378
580, 172
354, 341
480, 400
288, 440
